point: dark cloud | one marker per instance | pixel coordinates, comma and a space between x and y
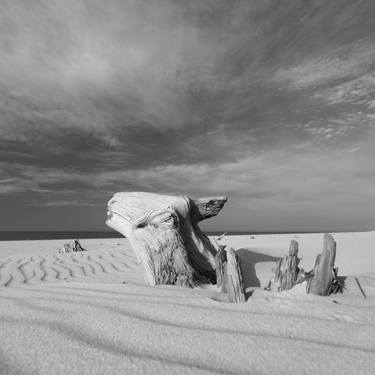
239, 97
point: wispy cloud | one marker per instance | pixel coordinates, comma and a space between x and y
357, 91
245, 98
333, 66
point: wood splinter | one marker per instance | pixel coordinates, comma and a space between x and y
360, 287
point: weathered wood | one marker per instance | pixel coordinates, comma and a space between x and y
233, 278
164, 234
71, 247
220, 260
204, 208
320, 282
287, 270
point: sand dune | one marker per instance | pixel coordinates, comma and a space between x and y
91, 313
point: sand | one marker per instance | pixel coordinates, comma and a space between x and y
92, 313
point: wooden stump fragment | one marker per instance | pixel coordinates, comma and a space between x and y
287, 270
233, 278
323, 275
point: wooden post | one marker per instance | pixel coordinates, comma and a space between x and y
320, 282
287, 270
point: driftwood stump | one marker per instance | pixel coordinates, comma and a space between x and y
287, 270
164, 234
324, 271
229, 274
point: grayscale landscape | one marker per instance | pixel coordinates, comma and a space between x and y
187, 187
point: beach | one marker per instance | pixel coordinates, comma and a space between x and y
91, 312
133, 134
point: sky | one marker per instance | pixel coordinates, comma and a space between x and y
271, 103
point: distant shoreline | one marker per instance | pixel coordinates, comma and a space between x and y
57, 235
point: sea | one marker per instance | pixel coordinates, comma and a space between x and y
57, 235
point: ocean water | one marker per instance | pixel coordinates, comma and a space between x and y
57, 235
54, 235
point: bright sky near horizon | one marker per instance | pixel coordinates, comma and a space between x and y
269, 102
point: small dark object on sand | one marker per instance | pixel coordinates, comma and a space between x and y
71, 247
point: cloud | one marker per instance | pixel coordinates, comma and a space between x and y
357, 91
337, 65
65, 203
239, 97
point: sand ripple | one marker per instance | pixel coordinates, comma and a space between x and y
15, 271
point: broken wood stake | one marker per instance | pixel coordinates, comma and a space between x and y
321, 281
233, 278
360, 287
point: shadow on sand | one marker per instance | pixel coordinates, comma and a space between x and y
249, 259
